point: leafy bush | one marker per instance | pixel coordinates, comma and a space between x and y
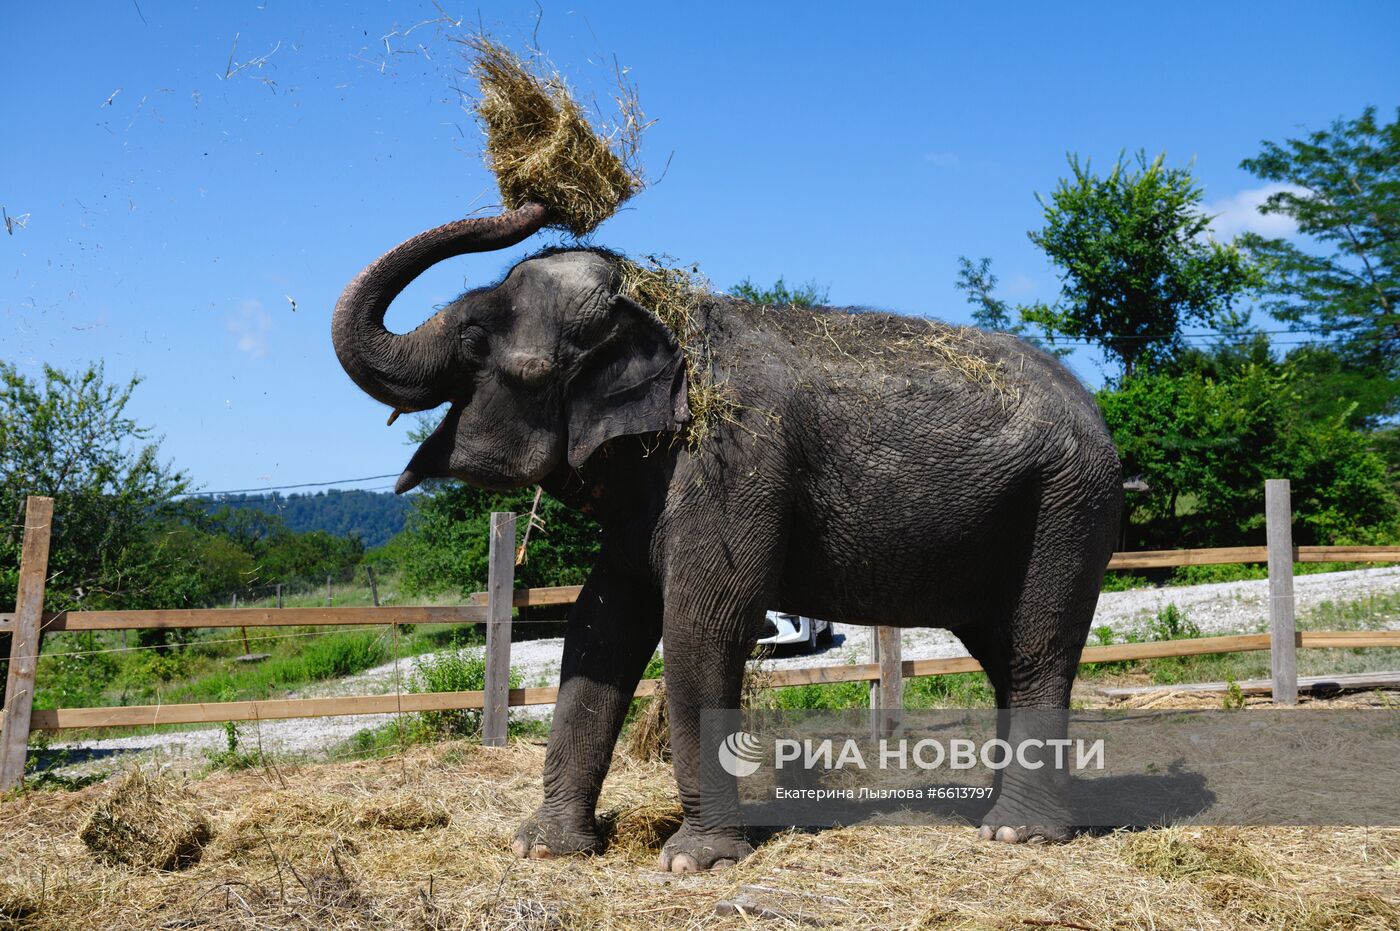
1118, 581
1170, 623
77, 676
231, 758
343, 654
461, 670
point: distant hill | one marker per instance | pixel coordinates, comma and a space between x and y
374, 515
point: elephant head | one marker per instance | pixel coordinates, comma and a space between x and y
539, 370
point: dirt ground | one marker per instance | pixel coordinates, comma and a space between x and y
419, 841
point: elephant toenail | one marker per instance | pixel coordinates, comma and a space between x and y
684, 863
541, 852
986, 832
1008, 835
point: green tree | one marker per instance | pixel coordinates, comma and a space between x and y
445, 546
975, 279
286, 556
1344, 194
810, 294
1207, 438
116, 520
1135, 266
279, 554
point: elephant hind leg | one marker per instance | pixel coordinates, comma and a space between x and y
1031, 655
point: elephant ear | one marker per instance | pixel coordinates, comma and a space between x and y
631, 382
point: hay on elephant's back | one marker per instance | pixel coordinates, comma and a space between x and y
542, 148
872, 339
674, 296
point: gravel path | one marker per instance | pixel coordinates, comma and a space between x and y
1235, 607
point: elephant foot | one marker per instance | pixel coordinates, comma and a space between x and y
544, 836
690, 850
1008, 828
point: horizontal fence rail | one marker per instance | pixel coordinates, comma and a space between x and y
275, 709
471, 613
1225, 555
494, 701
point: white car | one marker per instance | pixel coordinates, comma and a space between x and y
788, 629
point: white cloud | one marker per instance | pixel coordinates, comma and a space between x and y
1239, 213
250, 326
1017, 286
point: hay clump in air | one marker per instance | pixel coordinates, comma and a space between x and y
147, 823
542, 148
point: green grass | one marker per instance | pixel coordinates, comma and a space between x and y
110, 668
73, 675
355, 594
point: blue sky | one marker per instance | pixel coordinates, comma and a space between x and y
173, 211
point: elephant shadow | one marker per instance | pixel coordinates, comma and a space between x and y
1098, 805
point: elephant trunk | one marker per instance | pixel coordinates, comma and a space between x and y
407, 371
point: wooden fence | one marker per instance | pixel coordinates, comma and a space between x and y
494, 607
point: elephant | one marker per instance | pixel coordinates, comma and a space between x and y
866, 468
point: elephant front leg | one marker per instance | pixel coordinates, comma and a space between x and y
705, 670
612, 632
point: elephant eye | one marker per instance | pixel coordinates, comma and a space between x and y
473, 340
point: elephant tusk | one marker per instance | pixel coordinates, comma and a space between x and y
393, 417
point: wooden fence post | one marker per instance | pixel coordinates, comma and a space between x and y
373, 586
874, 683
247, 650
891, 678
24, 644
1283, 654
886, 692
328, 591
279, 594
500, 592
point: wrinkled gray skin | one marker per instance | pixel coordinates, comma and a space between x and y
856, 485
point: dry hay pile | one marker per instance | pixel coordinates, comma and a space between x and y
649, 735
541, 148
297, 850
147, 822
